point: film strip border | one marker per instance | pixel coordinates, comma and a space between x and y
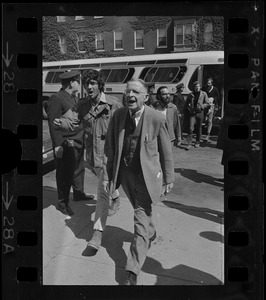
22, 179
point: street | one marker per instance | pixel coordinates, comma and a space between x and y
188, 250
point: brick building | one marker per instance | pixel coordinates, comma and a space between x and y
79, 37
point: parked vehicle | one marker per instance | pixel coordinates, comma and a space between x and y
162, 69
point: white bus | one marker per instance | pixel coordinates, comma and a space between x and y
162, 69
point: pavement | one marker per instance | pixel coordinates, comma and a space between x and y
188, 249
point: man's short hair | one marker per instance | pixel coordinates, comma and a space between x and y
158, 93
139, 80
91, 74
196, 83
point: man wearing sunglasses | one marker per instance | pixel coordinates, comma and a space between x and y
68, 146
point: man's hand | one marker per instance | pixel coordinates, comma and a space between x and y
57, 123
59, 151
106, 186
211, 99
66, 124
167, 188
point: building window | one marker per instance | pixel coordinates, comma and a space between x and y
208, 33
184, 34
44, 46
118, 40
61, 18
81, 42
139, 39
161, 38
99, 41
79, 18
62, 44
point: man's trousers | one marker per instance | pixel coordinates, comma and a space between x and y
135, 188
102, 205
69, 172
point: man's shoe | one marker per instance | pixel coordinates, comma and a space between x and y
96, 240
152, 239
114, 206
65, 210
207, 138
131, 279
197, 145
188, 147
83, 197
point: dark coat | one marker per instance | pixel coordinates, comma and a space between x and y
58, 105
179, 102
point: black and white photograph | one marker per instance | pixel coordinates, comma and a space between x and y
132, 150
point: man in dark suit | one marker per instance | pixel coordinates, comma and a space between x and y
151, 89
68, 146
139, 157
179, 102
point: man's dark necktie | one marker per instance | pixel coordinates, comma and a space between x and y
132, 123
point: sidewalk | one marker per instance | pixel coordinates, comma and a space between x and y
188, 250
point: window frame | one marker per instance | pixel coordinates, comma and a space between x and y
78, 41
158, 43
96, 41
61, 44
118, 49
135, 40
61, 19
79, 18
209, 33
184, 26
44, 44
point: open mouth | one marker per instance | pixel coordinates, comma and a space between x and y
131, 101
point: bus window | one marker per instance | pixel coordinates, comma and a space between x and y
165, 74
56, 78
181, 73
129, 75
49, 77
143, 73
105, 74
193, 78
147, 74
117, 75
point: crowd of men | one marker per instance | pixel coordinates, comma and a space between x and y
127, 144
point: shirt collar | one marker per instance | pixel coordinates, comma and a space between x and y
139, 113
210, 89
162, 108
102, 100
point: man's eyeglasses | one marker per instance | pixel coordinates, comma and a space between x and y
134, 92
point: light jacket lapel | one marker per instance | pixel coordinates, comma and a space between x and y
145, 125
